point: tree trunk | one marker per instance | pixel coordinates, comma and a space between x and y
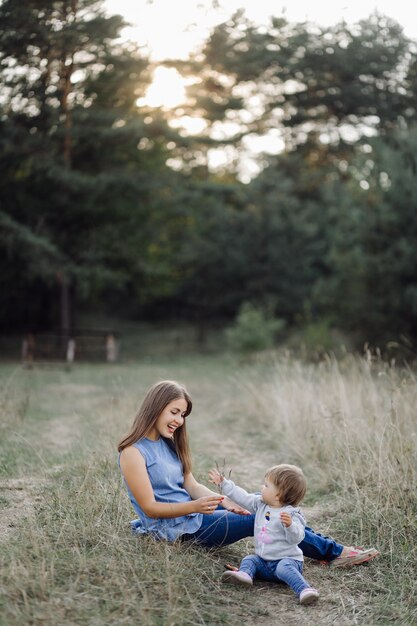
67, 70
65, 309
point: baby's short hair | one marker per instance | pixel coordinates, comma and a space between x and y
290, 482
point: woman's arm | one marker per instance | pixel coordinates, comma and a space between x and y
197, 490
136, 476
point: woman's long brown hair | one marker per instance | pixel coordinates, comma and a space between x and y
155, 401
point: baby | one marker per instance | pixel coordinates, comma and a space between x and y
279, 528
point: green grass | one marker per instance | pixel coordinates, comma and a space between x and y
67, 556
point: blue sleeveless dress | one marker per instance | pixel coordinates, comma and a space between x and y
166, 476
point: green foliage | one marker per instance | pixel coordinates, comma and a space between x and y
253, 330
372, 260
286, 236
317, 339
88, 200
211, 261
75, 188
314, 79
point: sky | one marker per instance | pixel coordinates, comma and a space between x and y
174, 28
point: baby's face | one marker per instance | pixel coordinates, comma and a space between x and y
270, 493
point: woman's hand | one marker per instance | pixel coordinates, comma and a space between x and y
208, 504
229, 505
286, 519
215, 477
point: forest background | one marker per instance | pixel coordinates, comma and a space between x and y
108, 207
112, 216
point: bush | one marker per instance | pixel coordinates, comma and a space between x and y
253, 330
318, 338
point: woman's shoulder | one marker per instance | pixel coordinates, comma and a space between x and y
132, 452
149, 449
140, 444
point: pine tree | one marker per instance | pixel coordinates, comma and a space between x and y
76, 177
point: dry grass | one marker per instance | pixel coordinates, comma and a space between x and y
68, 558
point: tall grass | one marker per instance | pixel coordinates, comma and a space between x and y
76, 563
350, 424
14, 399
353, 422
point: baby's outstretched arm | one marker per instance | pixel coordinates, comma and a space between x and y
229, 504
248, 501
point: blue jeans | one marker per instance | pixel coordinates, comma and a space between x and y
222, 528
286, 570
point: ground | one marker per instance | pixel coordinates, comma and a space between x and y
64, 514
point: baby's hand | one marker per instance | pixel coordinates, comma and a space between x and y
215, 477
286, 519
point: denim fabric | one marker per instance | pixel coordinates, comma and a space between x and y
286, 570
319, 547
223, 528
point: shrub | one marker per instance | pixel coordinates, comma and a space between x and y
318, 338
253, 330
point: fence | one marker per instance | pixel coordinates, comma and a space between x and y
85, 345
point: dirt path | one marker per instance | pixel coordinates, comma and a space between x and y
18, 496
17, 500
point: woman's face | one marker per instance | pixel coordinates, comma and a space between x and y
171, 418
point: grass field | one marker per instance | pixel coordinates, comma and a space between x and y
67, 556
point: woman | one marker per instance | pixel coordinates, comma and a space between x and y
155, 461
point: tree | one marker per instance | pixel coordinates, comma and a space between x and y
318, 86
211, 260
372, 286
288, 237
79, 160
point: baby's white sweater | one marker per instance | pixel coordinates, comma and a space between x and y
273, 540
